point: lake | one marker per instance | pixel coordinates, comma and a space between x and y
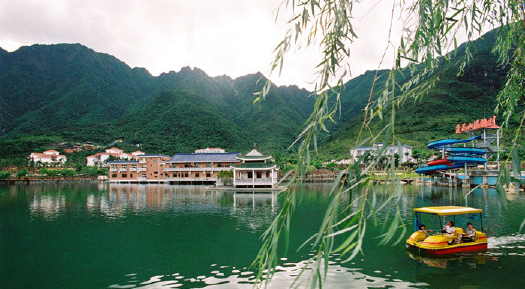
96, 235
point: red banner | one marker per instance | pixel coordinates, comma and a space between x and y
478, 124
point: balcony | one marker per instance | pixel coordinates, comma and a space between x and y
246, 181
113, 169
195, 169
133, 169
141, 169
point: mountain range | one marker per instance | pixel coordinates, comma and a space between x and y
68, 92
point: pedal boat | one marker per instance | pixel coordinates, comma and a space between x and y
442, 243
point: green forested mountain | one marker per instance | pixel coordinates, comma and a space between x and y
68, 92
456, 99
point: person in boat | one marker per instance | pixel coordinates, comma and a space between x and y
470, 233
423, 230
449, 228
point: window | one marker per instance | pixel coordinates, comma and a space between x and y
131, 175
259, 175
174, 175
208, 165
124, 175
114, 167
208, 175
124, 166
143, 175
196, 175
186, 165
185, 175
155, 172
114, 175
133, 166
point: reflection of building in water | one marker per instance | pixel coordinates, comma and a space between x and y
254, 200
47, 205
254, 210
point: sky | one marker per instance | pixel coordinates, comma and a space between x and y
221, 37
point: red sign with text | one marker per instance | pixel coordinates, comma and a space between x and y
478, 124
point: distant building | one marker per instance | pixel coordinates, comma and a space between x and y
404, 152
210, 151
201, 166
255, 170
48, 157
100, 159
147, 168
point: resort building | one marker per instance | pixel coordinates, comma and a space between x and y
255, 170
47, 157
403, 151
100, 159
199, 167
147, 168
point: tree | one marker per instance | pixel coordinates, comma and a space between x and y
431, 29
21, 173
4, 175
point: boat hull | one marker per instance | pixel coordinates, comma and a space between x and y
444, 244
448, 251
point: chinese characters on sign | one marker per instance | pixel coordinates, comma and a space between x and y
478, 124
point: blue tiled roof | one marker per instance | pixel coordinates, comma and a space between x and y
207, 157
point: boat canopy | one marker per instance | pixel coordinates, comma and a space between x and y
448, 210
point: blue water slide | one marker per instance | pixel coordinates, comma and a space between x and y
447, 142
432, 169
467, 160
467, 151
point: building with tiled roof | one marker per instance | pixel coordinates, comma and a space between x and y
47, 157
255, 171
100, 159
200, 167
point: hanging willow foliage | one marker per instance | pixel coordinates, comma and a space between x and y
431, 29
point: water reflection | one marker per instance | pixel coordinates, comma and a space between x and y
163, 236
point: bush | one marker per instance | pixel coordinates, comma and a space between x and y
21, 173
4, 175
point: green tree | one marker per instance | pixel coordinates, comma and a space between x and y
431, 29
21, 173
4, 175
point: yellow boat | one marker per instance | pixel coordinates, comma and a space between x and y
442, 243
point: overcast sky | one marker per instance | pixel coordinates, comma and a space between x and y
221, 37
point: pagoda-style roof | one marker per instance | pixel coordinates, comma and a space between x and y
254, 166
254, 155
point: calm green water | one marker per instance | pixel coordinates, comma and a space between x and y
132, 236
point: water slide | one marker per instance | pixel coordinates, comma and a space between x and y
447, 142
458, 157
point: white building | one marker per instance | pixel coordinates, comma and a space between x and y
210, 151
404, 152
100, 159
256, 170
48, 157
